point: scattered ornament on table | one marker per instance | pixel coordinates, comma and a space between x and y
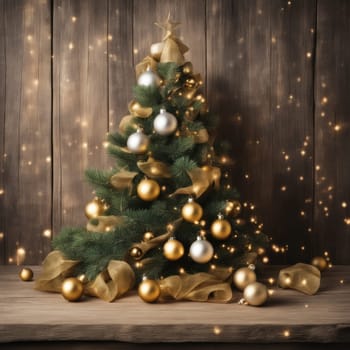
255, 294
26, 274
149, 290
320, 262
243, 277
72, 289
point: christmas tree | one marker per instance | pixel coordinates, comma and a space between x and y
167, 207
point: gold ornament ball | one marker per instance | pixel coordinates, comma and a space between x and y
149, 291
148, 236
243, 277
220, 229
187, 68
173, 249
148, 190
72, 289
256, 294
94, 208
26, 274
320, 262
192, 212
136, 253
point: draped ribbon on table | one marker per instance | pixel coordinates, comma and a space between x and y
118, 278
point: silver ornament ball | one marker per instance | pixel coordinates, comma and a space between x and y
148, 78
201, 251
138, 142
165, 123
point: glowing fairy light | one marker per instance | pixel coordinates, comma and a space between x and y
317, 168
324, 100
308, 54
303, 152
48, 159
20, 255
283, 188
344, 204
337, 127
347, 221
74, 19
71, 46
286, 333
217, 330
1, 235
47, 233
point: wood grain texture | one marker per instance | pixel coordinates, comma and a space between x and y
332, 186
121, 76
80, 114
191, 14
261, 83
46, 316
27, 143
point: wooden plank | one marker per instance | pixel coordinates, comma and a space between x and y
27, 165
120, 63
80, 104
260, 83
190, 13
35, 316
332, 187
2, 127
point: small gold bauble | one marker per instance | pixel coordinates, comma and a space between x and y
187, 68
320, 262
233, 207
173, 249
148, 236
149, 290
255, 294
136, 253
220, 229
148, 190
243, 277
192, 212
72, 289
94, 208
26, 274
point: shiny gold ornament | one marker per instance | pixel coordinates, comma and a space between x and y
135, 253
220, 228
72, 289
94, 208
136, 110
187, 68
192, 211
301, 277
26, 274
148, 236
233, 207
243, 277
149, 290
173, 249
256, 294
320, 262
148, 190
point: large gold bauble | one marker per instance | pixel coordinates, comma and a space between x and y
147, 236
149, 290
220, 229
320, 262
173, 250
72, 289
148, 190
26, 274
243, 277
94, 208
192, 212
256, 294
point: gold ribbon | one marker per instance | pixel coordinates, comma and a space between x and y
125, 122
154, 169
122, 179
200, 136
139, 111
201, 178
55, 269
144, 64
115, 281
198, 287
172, 51
105, 223
301, 277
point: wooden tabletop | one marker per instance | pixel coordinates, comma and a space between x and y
289, 316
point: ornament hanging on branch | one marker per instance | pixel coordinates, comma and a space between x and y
148, 79
165, 123
138, 142
95, 208
192, 211
221, 228
148, 190
201, 251
173, 249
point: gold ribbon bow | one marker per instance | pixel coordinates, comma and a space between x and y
198, 287
154, 168
105, 223
201, 178
122, 179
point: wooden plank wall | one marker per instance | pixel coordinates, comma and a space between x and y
276, 71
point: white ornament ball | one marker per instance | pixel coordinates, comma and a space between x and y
201, 251
156, 50
148, 78
165, 123
138, 142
